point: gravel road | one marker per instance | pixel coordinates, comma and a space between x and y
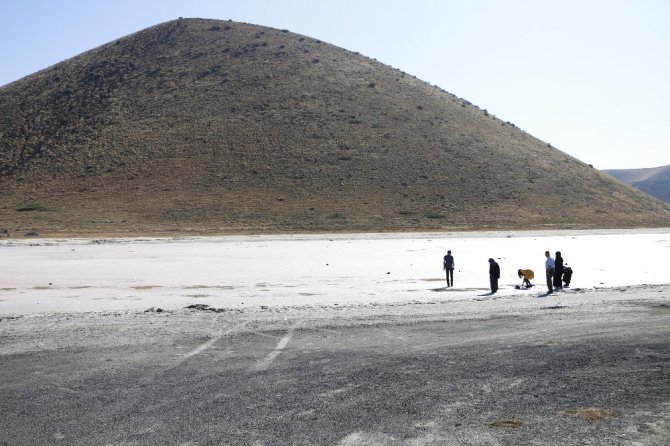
580, 368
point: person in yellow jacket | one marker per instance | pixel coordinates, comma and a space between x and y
527, 275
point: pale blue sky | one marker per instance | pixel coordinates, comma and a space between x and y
591, 77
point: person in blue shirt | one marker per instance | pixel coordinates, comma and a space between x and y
448, 266
549, 266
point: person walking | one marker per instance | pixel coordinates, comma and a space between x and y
549, 266
558, 271
494, 275
448, 266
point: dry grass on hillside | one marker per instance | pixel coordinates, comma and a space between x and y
204, 126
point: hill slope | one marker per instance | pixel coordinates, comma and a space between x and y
655, 181
211, 126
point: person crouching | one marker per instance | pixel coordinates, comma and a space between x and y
527, 275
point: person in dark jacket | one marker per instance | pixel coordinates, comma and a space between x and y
558, 270
567, 276
448, 266
494, 275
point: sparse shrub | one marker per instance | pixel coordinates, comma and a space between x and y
434, 215
315, 61
284, 30
507, 423
31, 208
591, 413
215, 28
419, 107
371, 85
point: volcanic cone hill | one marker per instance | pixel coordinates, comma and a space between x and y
210, 126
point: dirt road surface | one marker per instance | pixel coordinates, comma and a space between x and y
580, 367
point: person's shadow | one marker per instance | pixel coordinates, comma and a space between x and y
490, 293
546, 294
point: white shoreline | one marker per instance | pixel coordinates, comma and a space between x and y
329, 236
293, 270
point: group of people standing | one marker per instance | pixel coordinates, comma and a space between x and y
556, 271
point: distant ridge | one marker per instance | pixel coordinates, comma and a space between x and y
655, 180
207, 126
